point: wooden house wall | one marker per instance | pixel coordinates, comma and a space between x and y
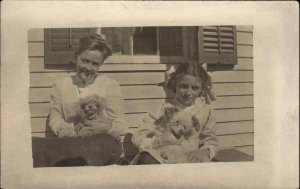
138, 79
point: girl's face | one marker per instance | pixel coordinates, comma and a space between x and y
188, 89
88, 64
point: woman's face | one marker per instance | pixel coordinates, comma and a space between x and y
88, 64
188, 89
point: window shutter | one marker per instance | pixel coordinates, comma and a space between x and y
217, 45
61, 42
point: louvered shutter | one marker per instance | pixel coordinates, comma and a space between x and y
61, 42
217, 45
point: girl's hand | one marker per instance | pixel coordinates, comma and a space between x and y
146, 144
199, 155
167, 139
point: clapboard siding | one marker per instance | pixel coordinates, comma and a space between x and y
244, 64
127, 78
234, 109
147, 105
140, 78
242, 28
153, 91
36, 34
36, 49
41, 110
244, 38
37, 65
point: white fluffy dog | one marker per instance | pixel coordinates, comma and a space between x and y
90, 108
182, 125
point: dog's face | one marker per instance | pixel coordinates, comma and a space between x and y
90, 110
179, 123
91, 107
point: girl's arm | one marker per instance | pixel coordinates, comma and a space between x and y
207, 136
57, 119
148, 136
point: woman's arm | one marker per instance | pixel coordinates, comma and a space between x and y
114, 110
57, 119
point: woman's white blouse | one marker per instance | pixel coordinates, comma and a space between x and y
67, 91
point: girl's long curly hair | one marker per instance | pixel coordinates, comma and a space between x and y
192, 68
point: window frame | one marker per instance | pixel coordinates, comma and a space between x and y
55, 58
134, 59
192, 37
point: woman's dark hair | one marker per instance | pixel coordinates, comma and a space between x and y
94, 42
192, 68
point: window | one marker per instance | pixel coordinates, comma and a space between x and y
129, 41
170, 41
217, 45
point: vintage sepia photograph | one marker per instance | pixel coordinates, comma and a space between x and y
149, 94
141, 95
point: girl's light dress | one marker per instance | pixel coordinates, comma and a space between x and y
204, 138
67, 91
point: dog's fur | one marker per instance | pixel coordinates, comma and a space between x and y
91, 108
96, 150
88, 109
181, 125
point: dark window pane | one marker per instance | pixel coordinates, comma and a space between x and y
66, 39
145, 41
170, 41
119, 39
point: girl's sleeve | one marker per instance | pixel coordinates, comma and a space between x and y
207, 135
56, 118
141, 136
115, 109
146, 127
146, 137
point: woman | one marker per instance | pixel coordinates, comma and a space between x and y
67, 91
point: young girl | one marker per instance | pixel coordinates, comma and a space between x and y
191, 85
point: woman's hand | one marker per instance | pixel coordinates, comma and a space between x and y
66, 131
95, 127
78, 127
199, 155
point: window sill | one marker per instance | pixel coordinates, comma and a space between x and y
151, 59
